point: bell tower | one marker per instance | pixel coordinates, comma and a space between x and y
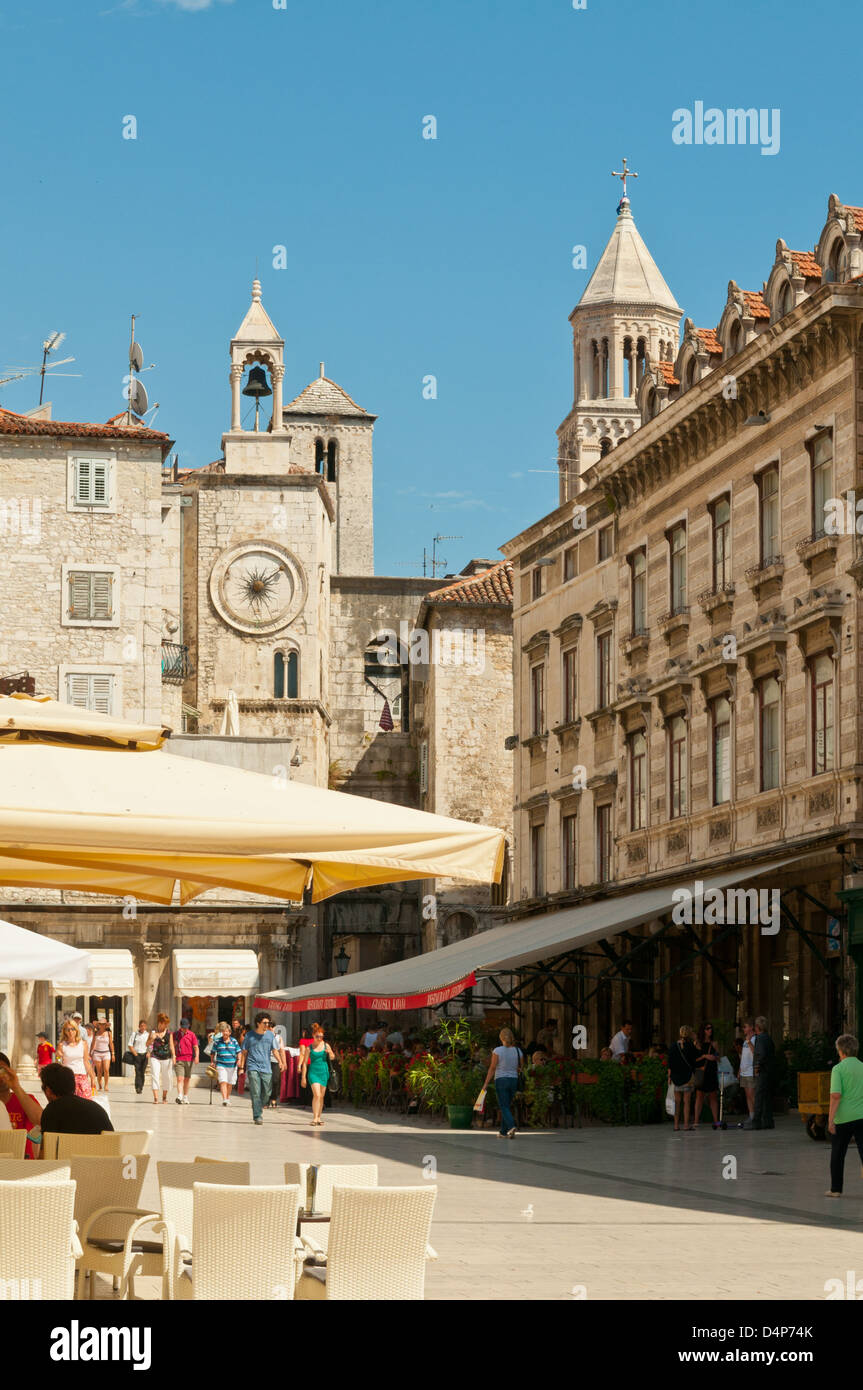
257, 348
626, 316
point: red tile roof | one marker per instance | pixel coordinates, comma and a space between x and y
806, 264
492, 588
666, 370
10, 423
755, 304
709, 339
857, 214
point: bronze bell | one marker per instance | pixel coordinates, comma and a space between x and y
256, 385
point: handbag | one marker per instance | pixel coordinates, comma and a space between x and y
212, 1072
335, 1080
129, 1057
698, 1078
669, 1099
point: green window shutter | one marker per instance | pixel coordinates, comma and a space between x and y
102, 606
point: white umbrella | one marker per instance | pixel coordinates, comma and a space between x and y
231, 717
25, 955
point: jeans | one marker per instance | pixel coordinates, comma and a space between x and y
851, 1129
141, 1060
505, 1088
260, 1085
762, 1114
276, 1074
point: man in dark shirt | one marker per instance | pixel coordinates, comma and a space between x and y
65, 1112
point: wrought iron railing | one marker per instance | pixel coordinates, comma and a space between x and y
175, 662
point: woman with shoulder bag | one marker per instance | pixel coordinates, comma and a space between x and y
136, 1054
682, 1060
161, 1058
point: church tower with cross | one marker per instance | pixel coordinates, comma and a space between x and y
626, 317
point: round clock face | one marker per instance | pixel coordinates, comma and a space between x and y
258, 587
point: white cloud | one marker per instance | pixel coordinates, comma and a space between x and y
195, 4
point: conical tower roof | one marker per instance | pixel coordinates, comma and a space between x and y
627, 273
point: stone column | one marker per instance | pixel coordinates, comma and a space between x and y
29, 1003
277, 375
633, 367
151, 974
236, 380
615, 374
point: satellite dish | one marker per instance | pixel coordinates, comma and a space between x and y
136, 357
138, 397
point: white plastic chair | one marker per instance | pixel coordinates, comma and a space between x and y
378, 1245
38, 1242
245, 1245
13, 1142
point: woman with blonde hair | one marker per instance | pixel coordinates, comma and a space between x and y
682, 1062
73, 1052
504, 1066
102, 1053
316, 1069
162, 1058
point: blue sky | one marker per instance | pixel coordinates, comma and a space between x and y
406, 257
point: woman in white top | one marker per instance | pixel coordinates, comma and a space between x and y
138, 1047
504, 1066
73, 1052
746, 1075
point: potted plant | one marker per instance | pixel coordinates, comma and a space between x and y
453, 1081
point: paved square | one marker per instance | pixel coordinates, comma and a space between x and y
639, 1213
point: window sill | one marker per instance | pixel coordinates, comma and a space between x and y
635, 643
815, 546
569, 726
759, 576
713, 599
535, 741
670, 623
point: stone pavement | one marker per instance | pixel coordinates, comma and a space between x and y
598, 1212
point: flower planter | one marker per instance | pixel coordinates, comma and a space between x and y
460, 1116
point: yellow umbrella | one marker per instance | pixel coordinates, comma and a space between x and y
93, 803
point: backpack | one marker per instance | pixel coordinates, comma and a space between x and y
161, 1048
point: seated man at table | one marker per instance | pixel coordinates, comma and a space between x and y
65, 1112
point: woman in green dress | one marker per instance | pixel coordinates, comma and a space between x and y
316, 1070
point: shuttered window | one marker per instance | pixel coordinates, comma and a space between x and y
92, 482
89, 691
91, 596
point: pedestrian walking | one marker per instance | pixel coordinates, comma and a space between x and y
278, 1065
185, 1051
504, 1066
682, 1063
845, 1121
223, 1054
763, 1053
138, 1046
256, 1060
44, 1051
707, 1087
316, 1071
73, 1052
746, 1074
102, 1053
161, 1058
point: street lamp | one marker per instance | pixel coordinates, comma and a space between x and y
343, 960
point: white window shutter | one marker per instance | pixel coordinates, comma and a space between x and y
102, 693
100, 483
79, 595
102, 597
83, 478
78, 690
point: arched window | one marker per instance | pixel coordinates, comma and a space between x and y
786, 300
595, 374
331, 461
319, 456
603, 384
835, 270
652, 404
689, 373
286, 675
735, 337
640, 360
605, 446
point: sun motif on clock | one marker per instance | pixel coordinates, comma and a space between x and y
258, 587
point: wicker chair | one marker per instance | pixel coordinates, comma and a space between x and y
332, 1175
25, 1170
13, 1142
110, 1144
106, 1209
256, 1223
131, 1253
378, 1245
38, 1242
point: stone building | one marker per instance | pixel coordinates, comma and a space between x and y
686, 639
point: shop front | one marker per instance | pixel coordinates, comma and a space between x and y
107, 996
214, 986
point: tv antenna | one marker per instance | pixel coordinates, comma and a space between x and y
46, 368
135, 391
435, 561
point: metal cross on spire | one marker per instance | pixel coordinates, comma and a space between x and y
624, 175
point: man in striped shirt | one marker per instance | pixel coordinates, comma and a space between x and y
224, 1054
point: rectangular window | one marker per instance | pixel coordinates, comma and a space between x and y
821, 454
638, 587
721, 730
604, 691
537, 699
536, 584
570, 685
769, 711
89, 691
638, 782
605, 543
721, 544
822, 714
603, 843
537, 861
90, 595
570, 563
768, 509
92, 482
568, 844
677, 553
677, 770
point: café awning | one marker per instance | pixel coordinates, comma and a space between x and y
215, 972
427, 980
29, 955
111, 972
